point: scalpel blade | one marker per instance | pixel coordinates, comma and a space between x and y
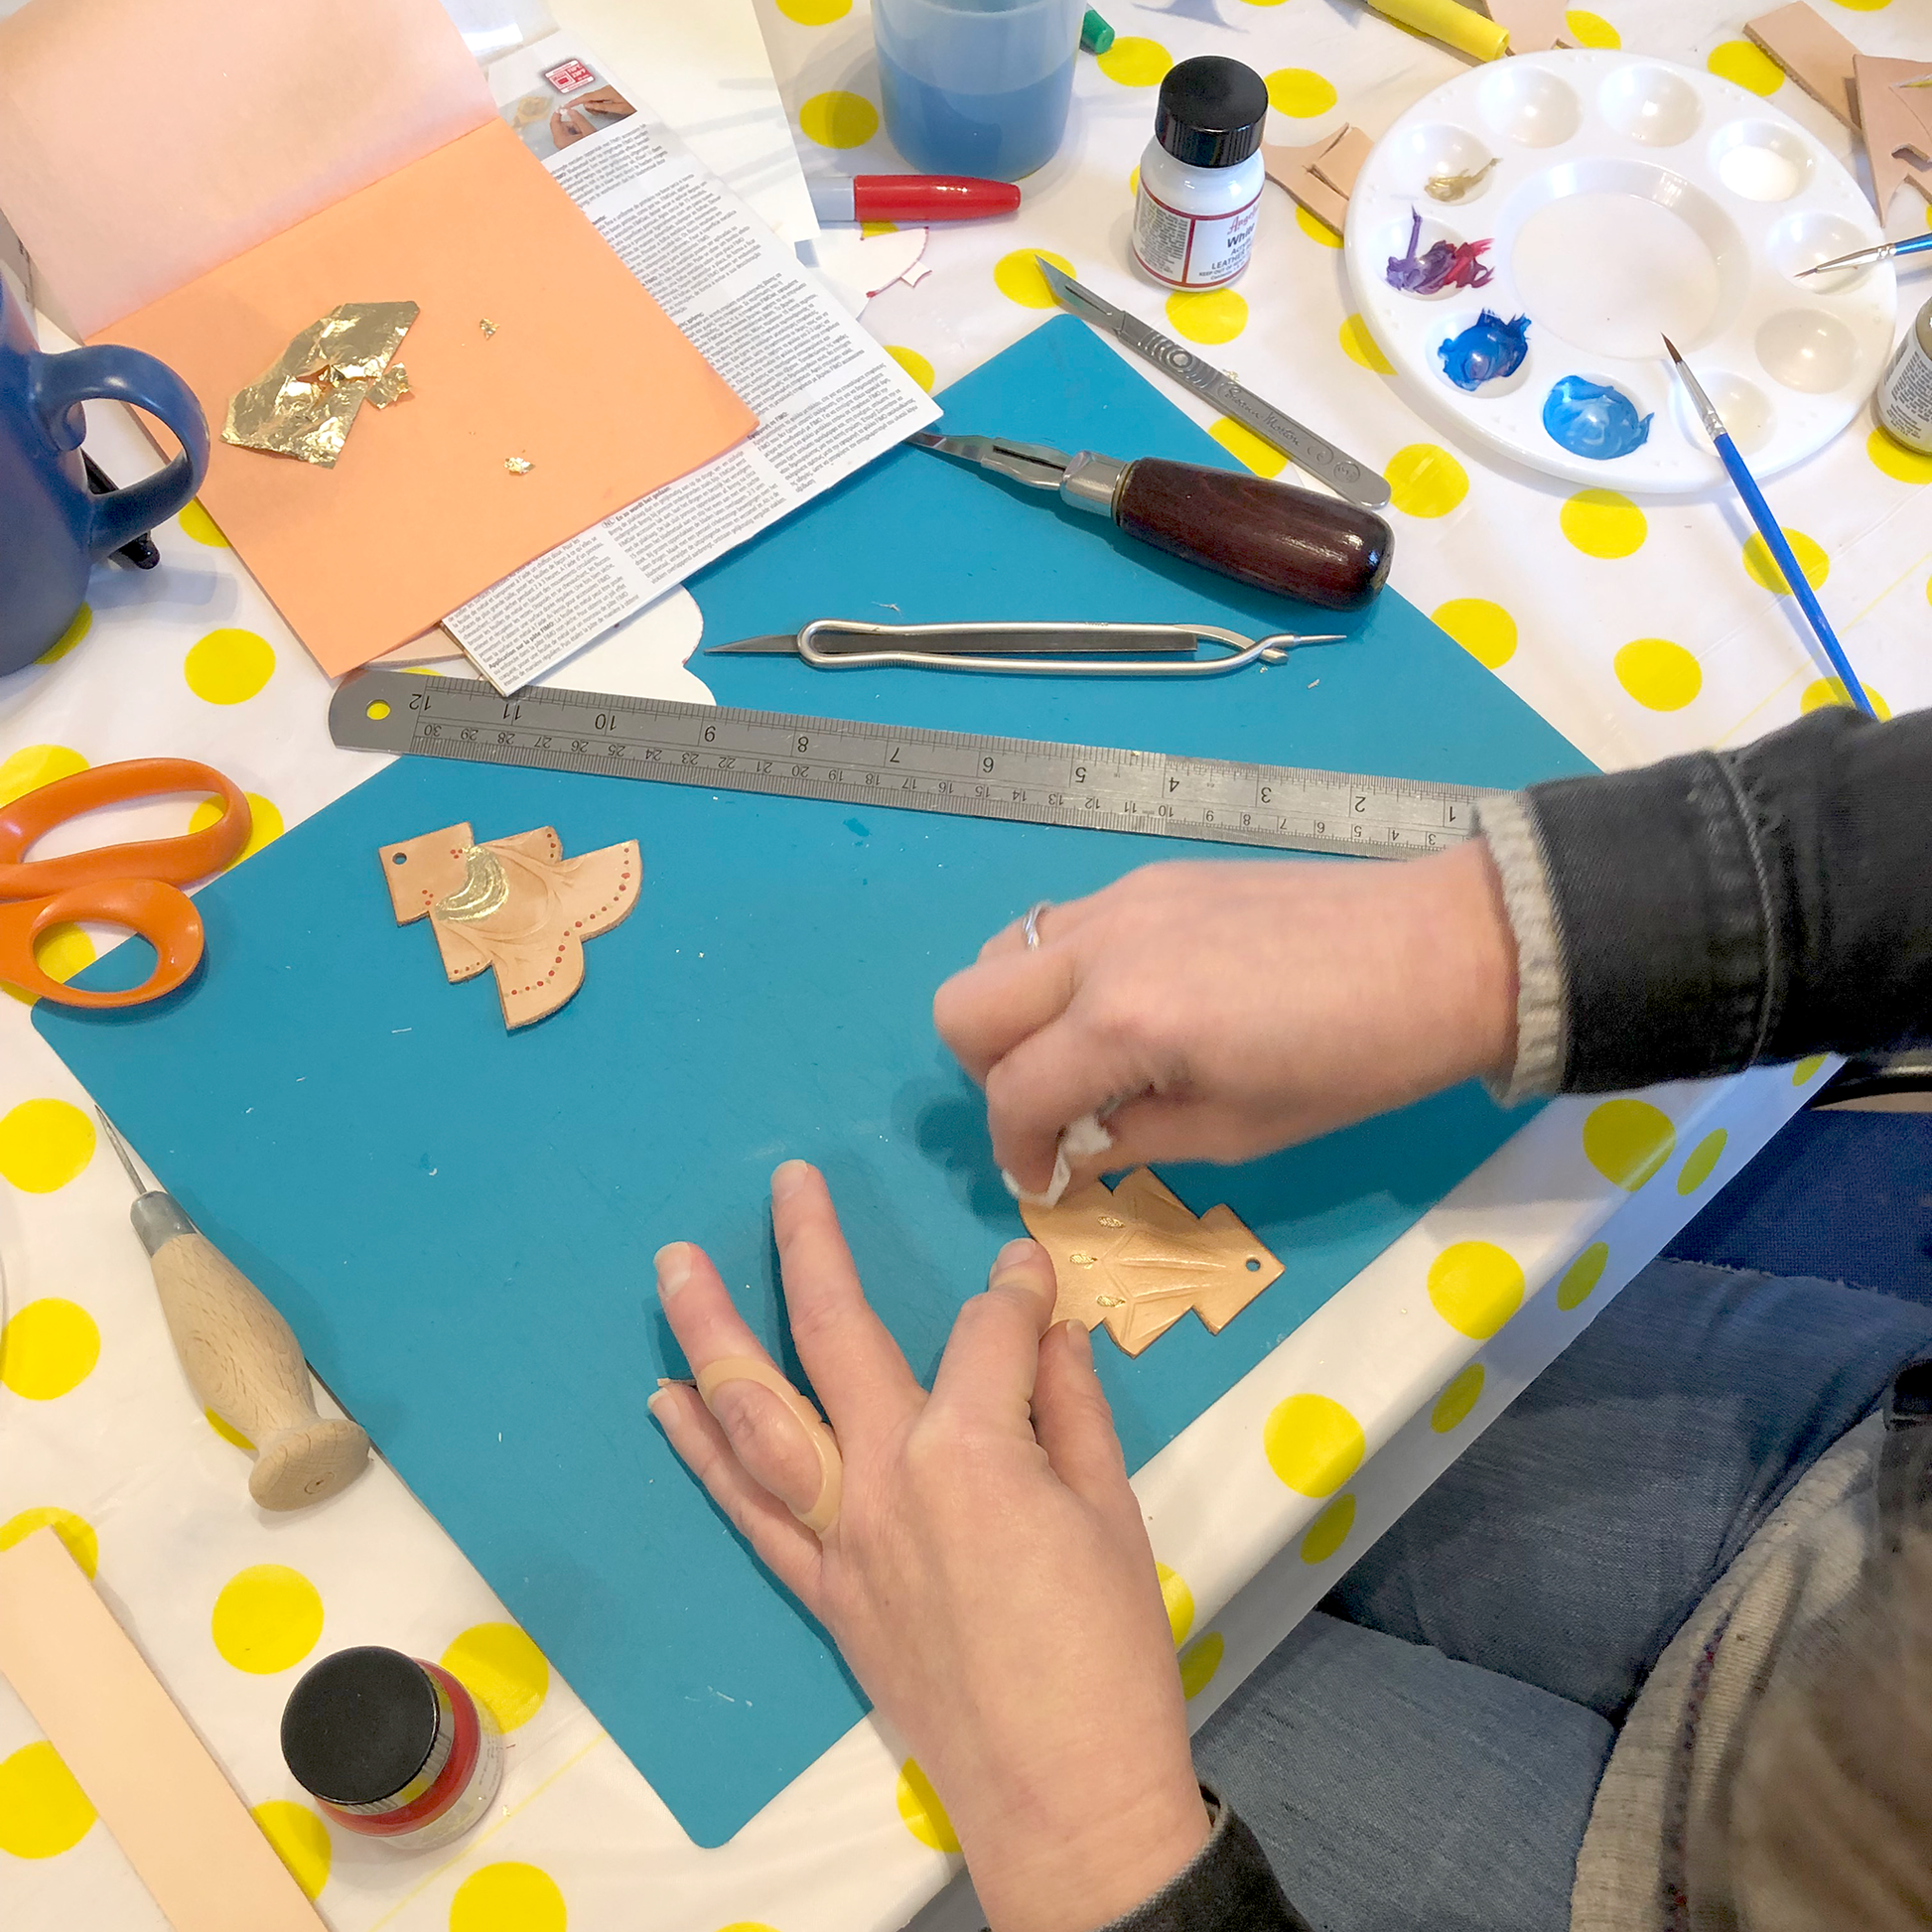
1355, 481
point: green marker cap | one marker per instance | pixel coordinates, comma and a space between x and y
1095, 34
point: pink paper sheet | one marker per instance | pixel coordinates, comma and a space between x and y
132, 161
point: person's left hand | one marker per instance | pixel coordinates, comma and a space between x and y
988, 1575
568, 127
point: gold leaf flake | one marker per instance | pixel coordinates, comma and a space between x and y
518, 466
304, 404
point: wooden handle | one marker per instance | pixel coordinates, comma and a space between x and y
1272, 535
244, 1362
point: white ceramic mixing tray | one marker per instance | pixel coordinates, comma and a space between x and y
1631, 198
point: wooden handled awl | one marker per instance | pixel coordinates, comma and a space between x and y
1295, 542
240, 1357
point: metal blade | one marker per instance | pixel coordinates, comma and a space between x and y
784, 642
1032, 464
1080, 301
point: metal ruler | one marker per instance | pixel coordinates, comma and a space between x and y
849, 762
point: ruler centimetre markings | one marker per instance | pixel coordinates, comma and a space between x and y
850, 763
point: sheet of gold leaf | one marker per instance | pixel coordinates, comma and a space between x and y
1135, 1260
303, 405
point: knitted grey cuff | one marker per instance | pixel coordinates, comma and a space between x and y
1541, 1019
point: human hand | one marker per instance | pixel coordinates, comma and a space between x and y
988, 1576
607, 102
1233, 1009
567, 126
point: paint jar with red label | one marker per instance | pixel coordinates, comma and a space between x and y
1200, 192
392, 1748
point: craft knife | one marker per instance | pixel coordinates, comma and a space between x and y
1294, 542
1342, 472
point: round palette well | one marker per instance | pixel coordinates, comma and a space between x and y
1622, 198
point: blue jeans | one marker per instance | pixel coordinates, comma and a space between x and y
1426, 1756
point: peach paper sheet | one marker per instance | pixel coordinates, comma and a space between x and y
586, 377
141, 146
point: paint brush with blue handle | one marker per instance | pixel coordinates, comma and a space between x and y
1769, 528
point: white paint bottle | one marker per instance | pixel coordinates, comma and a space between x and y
1201, 175
1903, 403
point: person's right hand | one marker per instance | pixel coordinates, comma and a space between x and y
1233, 1009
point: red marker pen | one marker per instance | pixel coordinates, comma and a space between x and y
915, 199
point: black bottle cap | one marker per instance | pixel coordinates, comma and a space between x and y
1211, 111
360, 1726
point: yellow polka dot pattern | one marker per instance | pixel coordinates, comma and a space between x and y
1246, 446
1016, 276
33, 766
42, 1810
264, 822
1199, 1661
266, 1619
1746, 66
1135, 63
1312, 1444
502, 1668
1300, 92
83, 1546
300, 1839
196, 523
43, 1144
1831, 690
1207, 314
838, 120
921, 1811
814, 13
1581, 1276
1806, 1069
1698, 1163
48, 1348
1484, 629
1862, 6
59, 952
1361, 347
1627, 1141
1179, 1600
1330, 1531
228, 666
227, 1431
1316, 228
509, 1897
1475, 1286
1590, 30
1459, 1397
1603, 523
913, 363
1659, 674
1763, 567
1896, 460
1426, 481
83, 622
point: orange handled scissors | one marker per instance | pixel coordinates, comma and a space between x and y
134, 885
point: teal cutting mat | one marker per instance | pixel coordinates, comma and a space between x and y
458, 1222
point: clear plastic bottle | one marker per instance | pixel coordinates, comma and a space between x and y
1201, 175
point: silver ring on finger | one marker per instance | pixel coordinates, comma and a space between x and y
1031, 926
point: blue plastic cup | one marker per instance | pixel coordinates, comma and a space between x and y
976, 87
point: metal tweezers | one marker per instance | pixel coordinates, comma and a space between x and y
840, 645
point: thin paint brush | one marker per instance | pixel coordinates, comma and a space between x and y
1769, 528
1882, 251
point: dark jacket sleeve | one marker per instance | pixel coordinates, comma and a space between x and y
1697, 917
1229, 1888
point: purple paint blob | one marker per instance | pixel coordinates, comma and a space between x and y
1487, 349
1441, 265
1593, 419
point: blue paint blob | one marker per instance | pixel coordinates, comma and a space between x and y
1595, 419
1487, 349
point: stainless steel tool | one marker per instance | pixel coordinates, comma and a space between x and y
845, 644
1318, 457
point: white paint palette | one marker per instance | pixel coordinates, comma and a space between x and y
1626, 199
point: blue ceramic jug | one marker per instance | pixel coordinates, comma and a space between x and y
51, 528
